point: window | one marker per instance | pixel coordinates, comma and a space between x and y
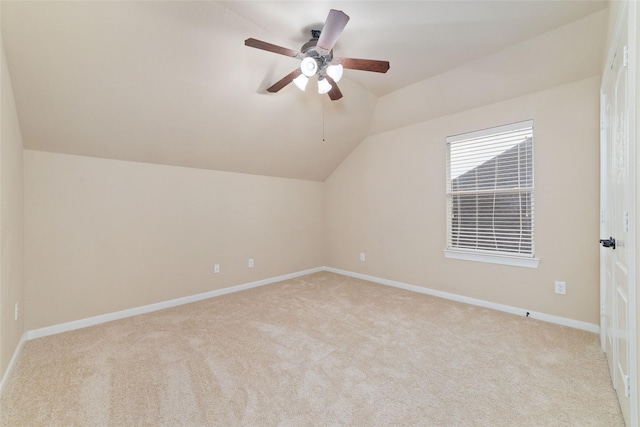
490, 195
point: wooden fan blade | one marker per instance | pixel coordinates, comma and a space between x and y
365, 64
259, 44
334, 93
333, 26
284, 81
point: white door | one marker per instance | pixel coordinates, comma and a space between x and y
617, 201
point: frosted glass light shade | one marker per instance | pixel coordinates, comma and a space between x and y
309, 66
323, 86
335, 72
301, 81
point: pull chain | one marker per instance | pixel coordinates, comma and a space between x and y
322, 101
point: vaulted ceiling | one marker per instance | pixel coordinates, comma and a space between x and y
171, 82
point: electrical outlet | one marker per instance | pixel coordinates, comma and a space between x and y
216, 268
250, 262
362, 256
561, 287
16, 311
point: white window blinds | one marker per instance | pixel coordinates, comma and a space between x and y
490, 191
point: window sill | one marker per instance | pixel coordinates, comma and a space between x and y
493, 259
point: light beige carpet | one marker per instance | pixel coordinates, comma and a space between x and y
323, 350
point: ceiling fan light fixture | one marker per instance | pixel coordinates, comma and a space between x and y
309, 66
323, 85
301, 81
335, 72
317, 58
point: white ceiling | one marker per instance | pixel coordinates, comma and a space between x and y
172, 82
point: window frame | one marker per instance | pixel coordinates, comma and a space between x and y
528, 260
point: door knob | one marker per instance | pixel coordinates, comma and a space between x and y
608, 243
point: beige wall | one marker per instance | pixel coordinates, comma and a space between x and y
107, 235
11, 221
387, 199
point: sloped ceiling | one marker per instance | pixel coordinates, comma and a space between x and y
172, 82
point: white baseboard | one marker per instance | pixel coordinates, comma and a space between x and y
12, 362
96, 320
577, 324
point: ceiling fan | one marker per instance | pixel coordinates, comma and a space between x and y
317, 58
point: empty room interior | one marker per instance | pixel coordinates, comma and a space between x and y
318, 213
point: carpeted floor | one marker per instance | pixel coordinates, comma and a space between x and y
323, 349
